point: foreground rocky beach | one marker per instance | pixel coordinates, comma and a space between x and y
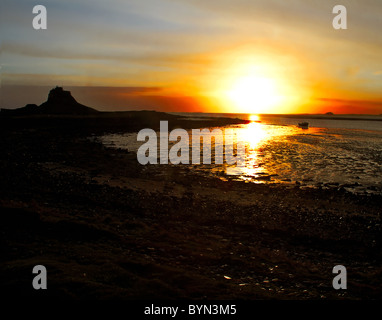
106, 227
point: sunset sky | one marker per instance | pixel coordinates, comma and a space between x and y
250, 56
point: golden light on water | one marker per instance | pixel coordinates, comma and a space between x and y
259, 165
253, 134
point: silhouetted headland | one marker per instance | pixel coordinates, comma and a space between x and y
59, 102
61, 110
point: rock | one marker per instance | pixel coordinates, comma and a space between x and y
59, 102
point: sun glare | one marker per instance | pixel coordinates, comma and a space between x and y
254, 94
254, 118
244, 81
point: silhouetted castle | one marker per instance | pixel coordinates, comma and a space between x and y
59, 102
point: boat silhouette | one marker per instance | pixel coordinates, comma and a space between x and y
303, 125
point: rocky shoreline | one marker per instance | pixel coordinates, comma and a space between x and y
106, 227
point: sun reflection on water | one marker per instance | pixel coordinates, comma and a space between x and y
253, 135
261, 161
281, 152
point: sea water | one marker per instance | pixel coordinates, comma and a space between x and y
331, 153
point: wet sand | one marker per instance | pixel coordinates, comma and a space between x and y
106, 227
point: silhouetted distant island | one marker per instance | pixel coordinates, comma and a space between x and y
329, 113
60, 102
64, 113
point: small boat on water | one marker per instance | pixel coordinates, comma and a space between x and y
303, 125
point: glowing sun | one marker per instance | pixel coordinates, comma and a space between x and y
254, 94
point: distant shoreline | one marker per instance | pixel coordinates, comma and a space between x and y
366, 117
109, 122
